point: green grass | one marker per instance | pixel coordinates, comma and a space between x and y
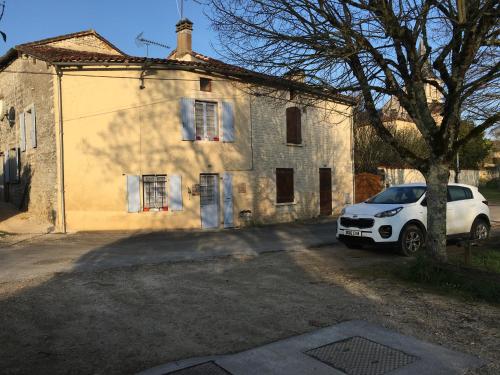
492, 194
483, 258
451, 279
478, 281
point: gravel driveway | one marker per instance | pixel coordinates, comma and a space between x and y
123, 320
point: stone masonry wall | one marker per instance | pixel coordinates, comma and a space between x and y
326, 143
24, 83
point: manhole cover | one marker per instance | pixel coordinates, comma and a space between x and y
360, 356
206, 368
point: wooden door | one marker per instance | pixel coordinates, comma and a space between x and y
325, 191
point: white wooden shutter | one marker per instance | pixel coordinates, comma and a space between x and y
227, 179
33, 127
175, 193
133, 193
22, 132
187, 118
227, 122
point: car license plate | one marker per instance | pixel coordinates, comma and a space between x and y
356, 233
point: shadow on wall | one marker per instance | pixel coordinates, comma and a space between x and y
26, 175
146, 138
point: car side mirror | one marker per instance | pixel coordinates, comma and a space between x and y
424, 202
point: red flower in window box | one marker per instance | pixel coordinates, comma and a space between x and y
198, 138
216, 139
164, 208
146, 209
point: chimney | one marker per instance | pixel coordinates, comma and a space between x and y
297, 75
184, 29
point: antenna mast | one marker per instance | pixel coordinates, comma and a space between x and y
140, 41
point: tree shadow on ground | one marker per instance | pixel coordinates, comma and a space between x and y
126, 319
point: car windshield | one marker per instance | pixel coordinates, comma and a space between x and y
398, 195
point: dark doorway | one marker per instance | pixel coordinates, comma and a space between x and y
325, 191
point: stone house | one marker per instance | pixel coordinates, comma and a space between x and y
95, 139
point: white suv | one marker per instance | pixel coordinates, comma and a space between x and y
398, 216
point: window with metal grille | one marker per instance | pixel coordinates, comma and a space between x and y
205, 84
284, 185
155, 192
207, 189
293, 126
207, 127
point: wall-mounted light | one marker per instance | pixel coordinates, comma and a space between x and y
10, 115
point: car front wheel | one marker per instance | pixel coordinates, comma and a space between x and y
411, 241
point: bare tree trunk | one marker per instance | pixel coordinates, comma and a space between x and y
457, 169
437, 183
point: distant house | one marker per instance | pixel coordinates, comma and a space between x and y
395, 117
95, 139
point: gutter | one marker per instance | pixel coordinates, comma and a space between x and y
241, 76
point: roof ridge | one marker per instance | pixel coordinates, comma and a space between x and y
69, 36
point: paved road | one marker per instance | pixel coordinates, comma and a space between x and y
45, 254
100, 250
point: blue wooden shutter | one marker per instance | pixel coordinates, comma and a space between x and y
227, 122
175, 187
33, 127
187, 118
6, 170
227, 179
133, 193
22, 132
14, 167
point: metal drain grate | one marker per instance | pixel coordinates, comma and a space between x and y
359, 356
206, 368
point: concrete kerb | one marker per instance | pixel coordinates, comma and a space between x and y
288, 356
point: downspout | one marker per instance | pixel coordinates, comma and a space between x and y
61, 152
353, 200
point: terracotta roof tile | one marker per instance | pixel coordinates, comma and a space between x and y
56, 55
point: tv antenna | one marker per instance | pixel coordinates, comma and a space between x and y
140, 42
180, 8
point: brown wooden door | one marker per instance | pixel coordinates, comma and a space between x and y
325, 191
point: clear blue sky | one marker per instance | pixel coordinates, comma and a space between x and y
119, 21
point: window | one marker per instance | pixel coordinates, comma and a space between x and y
155, 192
398, 195
293, 126
458, 193
205, 84
284, 185
207, 127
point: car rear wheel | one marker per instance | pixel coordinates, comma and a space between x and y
411, 240
480, 230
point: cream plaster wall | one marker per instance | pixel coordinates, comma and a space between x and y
112, 128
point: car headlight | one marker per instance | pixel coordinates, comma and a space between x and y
342, 212
388, 213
